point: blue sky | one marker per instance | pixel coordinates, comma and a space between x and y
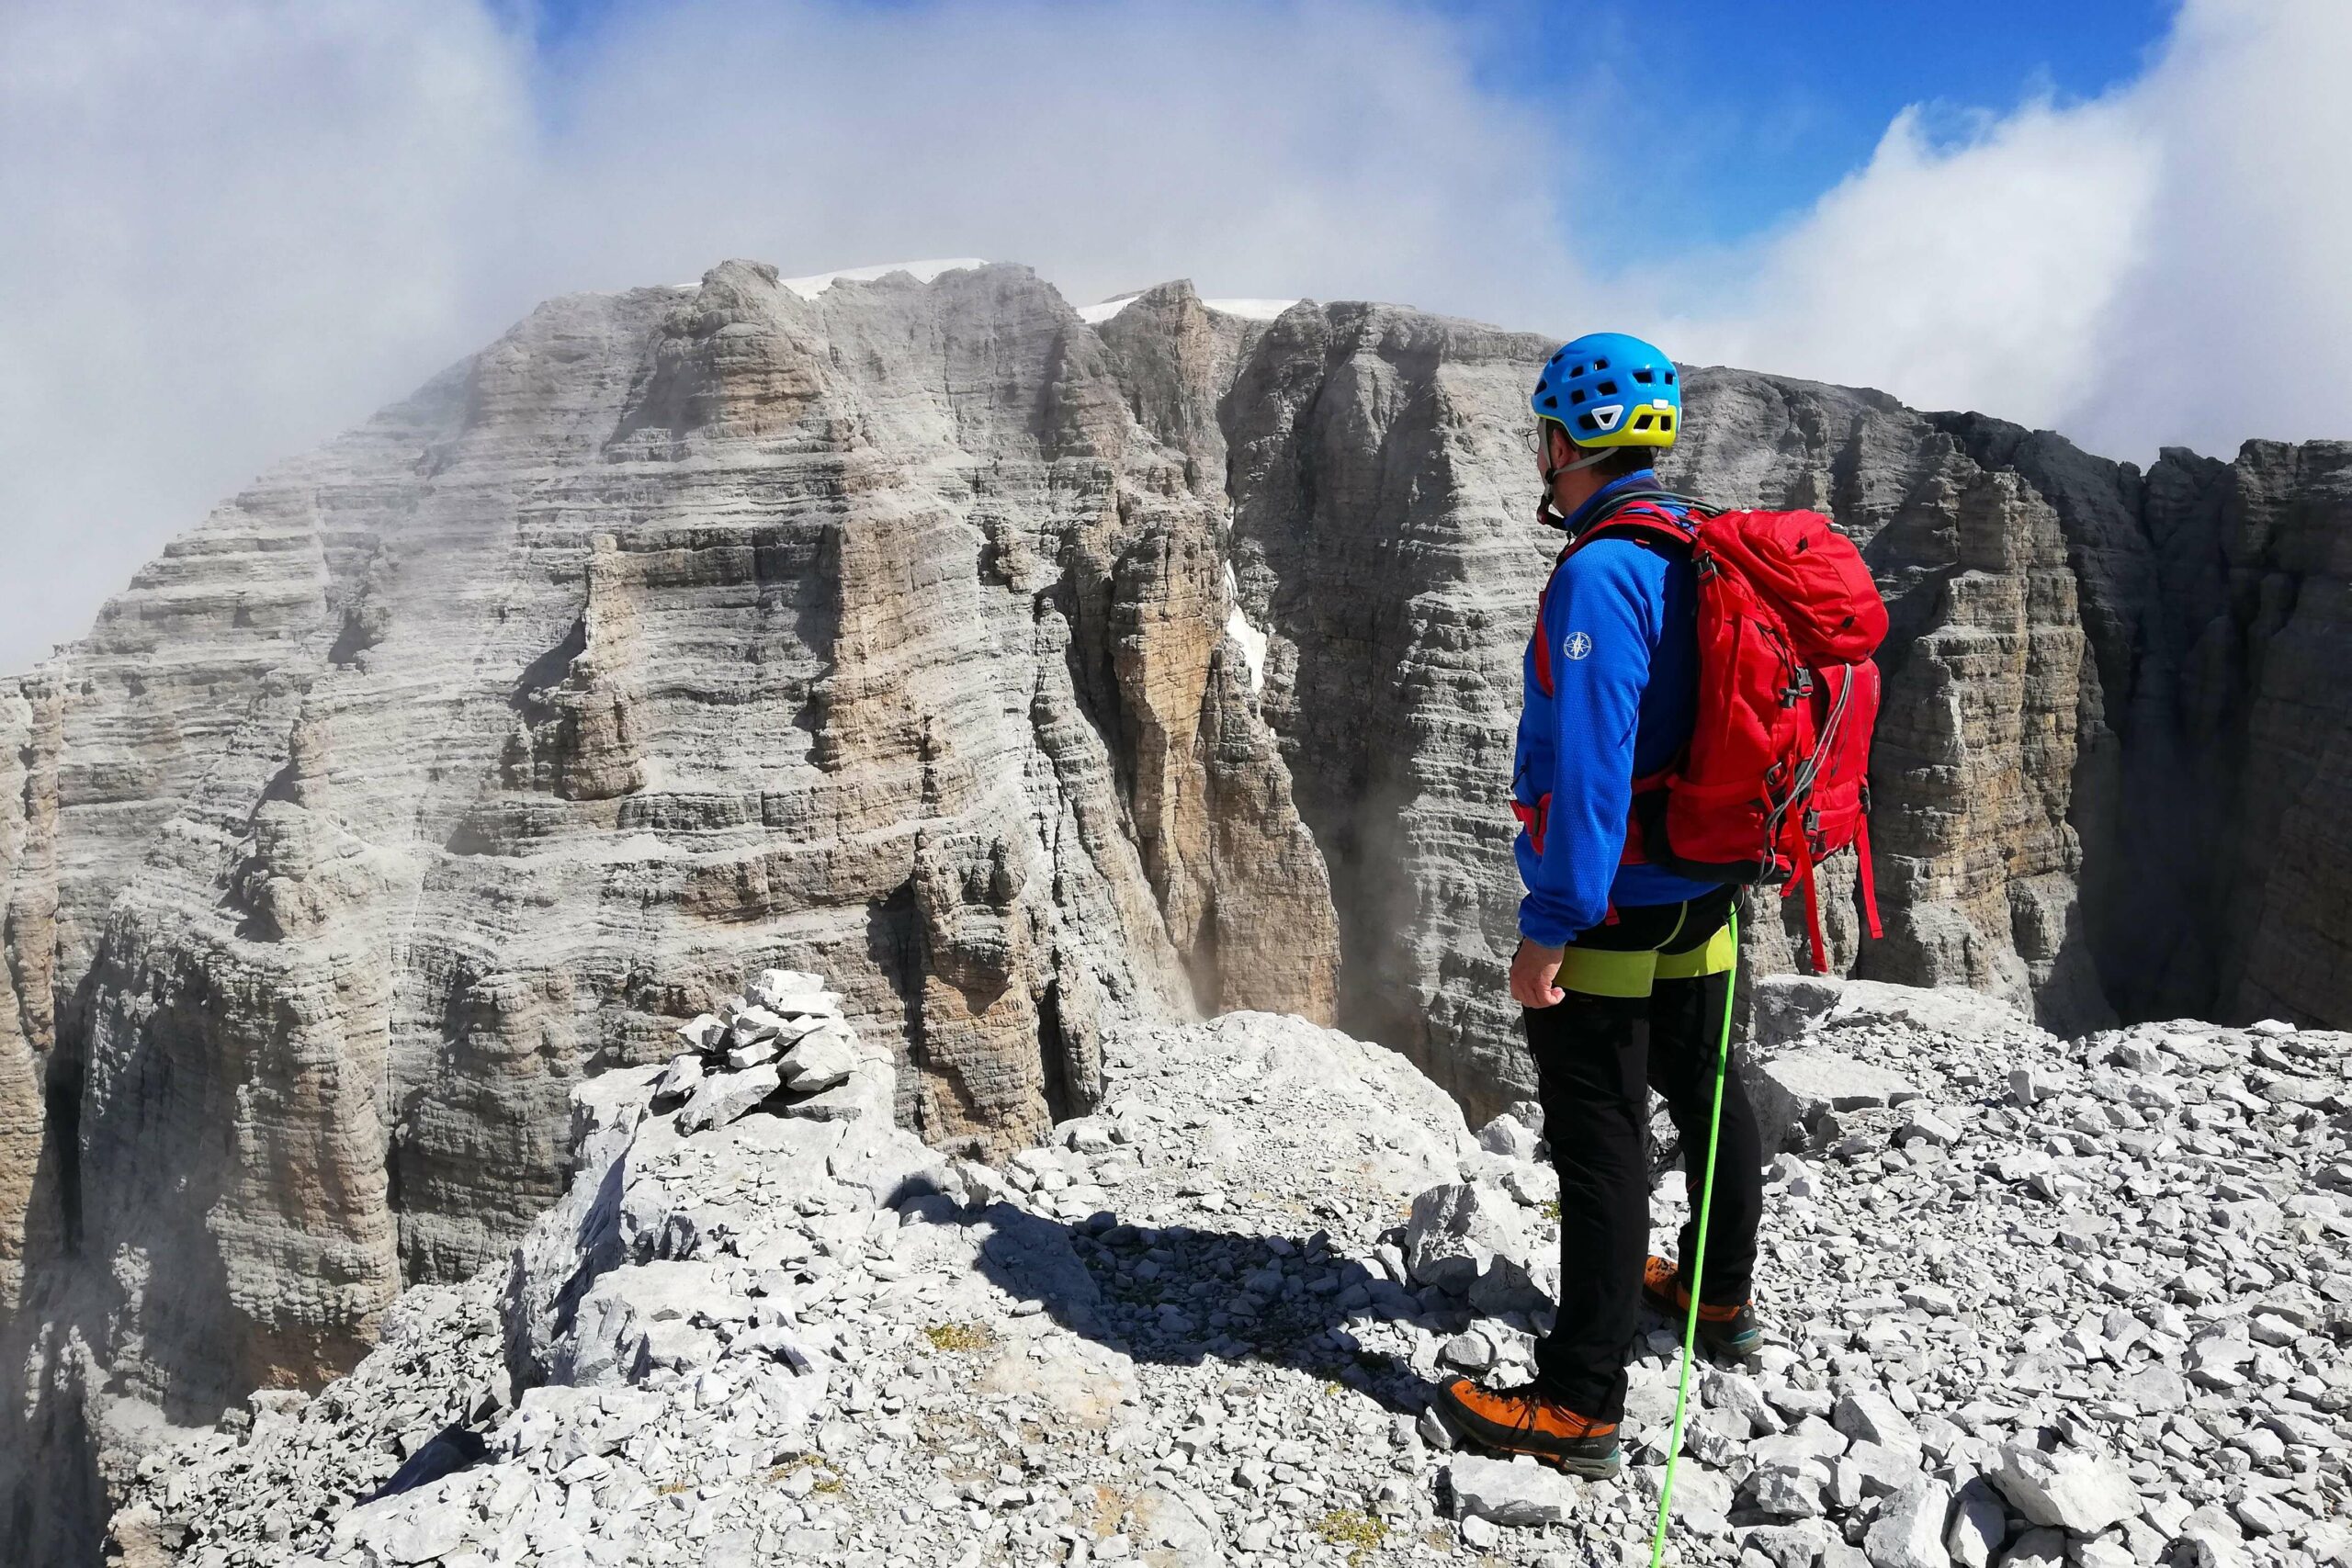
1772, 102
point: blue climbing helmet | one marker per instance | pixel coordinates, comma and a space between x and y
1609, 390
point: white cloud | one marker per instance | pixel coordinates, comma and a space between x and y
2235, 319
2166, 265
1980, 276
229, 231
236, 226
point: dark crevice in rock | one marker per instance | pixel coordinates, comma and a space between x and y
546, 671
1062, 1100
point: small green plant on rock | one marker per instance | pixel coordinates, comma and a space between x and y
958, 1337
1363, 1533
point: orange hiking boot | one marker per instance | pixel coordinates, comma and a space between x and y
1524, 1420
1729, 1331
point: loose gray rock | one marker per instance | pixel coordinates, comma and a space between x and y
681, 1077
2072, 1489
2042, 1548
817, 1062
723, 1097
1909, 1529
1979, 1524
1790, 1091
1513, 1492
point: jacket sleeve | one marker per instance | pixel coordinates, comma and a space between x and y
1600, 619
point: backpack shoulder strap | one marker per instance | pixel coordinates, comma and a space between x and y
1642, 513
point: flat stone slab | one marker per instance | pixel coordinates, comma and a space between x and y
1514, 1493
1792, 1089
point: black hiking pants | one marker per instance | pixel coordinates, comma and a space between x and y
1643, 1012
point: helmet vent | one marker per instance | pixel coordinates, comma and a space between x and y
1551, 403
1575, 394
1643, 376
1665, 422
1586, 422
1644, 421
1601, 365
1577, 371
1670, 378
1608, 389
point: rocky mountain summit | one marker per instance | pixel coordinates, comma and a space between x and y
1035, 676
2030, 1301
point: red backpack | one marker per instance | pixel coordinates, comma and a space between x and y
1777, 773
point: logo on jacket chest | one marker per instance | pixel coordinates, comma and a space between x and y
1577, 646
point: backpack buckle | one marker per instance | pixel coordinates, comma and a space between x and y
1704, 562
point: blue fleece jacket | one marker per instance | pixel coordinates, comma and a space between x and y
1621, 625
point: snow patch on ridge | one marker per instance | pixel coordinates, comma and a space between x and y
924, 271
1252, 640
1249, 309
1252, 309
1094, 315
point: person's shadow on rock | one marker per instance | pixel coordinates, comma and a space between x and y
1180, 1296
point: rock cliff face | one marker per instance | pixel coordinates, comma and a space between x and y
2111, 770
2218, 602
680, 633
1024, 675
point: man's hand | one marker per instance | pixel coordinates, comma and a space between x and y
1531, 969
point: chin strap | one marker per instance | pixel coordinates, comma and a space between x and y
1546, 514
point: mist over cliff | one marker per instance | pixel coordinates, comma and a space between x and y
1025, 674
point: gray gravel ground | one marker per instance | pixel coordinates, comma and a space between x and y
2028, 1301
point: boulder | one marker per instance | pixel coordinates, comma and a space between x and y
817, 1062
1789, 1091
1461, 1232
1979, 1524
1909, 1529
1513, 1492
1508, 1136
681, 1077
2073, 1489
723, 1097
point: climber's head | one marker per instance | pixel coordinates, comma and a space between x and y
1605, 406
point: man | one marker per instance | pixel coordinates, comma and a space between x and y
1624, 968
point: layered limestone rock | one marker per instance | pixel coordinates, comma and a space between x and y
1024, 675
678, 634
2218, 601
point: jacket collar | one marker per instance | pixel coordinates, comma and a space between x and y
1640, 478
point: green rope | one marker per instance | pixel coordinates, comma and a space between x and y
1707, 1203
